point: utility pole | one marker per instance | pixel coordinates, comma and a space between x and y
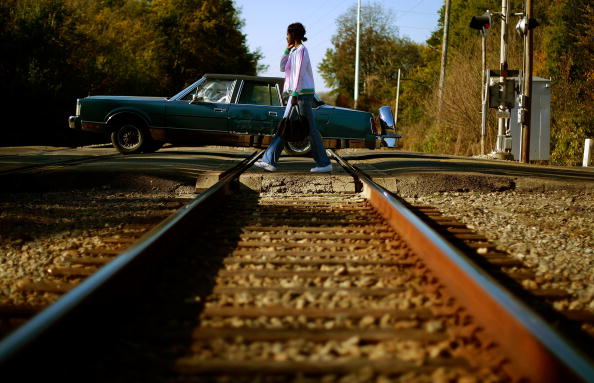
503, 109
483, 24
526, 99
444, 53
356, 96
397, 98
484, 89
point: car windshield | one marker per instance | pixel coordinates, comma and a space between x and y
188, 90
212, 90
318, 101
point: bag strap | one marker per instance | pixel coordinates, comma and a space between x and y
293, 107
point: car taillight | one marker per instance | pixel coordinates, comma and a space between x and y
374, 127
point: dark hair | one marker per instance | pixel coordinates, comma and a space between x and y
297, 30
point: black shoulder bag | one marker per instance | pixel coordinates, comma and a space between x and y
293, 128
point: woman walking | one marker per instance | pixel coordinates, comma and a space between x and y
299, 86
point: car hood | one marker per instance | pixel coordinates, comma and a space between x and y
125, 98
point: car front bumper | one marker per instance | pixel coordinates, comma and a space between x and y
74, 122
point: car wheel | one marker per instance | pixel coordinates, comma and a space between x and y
299, 148
129, 138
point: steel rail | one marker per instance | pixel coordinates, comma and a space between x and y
39, 332
62, 163
536, 349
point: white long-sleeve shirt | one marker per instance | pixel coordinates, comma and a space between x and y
298, 73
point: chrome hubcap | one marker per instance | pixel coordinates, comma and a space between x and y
129, 137
300, 146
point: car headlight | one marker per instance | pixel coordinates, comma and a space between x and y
78, 107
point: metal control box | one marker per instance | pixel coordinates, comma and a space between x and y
540, 122
498, 97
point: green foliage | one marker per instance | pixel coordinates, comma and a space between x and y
569, 58
201, 36
53, 51
563, 51
118, 53
382, 53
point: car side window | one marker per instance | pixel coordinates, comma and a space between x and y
259, 94
212, 90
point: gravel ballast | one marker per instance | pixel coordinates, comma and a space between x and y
551, 232
40, 229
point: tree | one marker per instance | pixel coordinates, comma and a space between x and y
569, 54
118, 53
563, 46
200, 36
38, 39
53, 51
382, 54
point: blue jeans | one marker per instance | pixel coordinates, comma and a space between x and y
273, 152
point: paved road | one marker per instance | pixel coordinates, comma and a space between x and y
397, 170
409, 173
398, 162
176, 165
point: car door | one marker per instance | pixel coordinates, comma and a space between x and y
258, 109
205, 109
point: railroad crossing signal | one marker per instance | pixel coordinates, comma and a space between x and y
525, 24
481, 23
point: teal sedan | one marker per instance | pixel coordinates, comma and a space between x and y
222, 109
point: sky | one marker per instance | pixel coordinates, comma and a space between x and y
266, 24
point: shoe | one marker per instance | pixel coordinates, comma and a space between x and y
265, 166
322, 169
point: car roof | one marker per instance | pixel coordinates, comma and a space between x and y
244, 77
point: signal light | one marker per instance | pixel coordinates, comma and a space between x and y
481, 23
524, 25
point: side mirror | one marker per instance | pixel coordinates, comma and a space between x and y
386, 118
196, 99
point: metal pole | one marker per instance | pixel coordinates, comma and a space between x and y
527, 97
484, 91
444, 53
502, 123
397, 98
356, 97
588, 146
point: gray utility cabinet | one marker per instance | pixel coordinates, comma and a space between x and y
540, 125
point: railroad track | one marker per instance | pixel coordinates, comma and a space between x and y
57, 164
281, 288
35, 296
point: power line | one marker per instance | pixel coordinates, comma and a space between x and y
309, 26
414, 13
419, 28
414, 6
322, 17
334, 9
